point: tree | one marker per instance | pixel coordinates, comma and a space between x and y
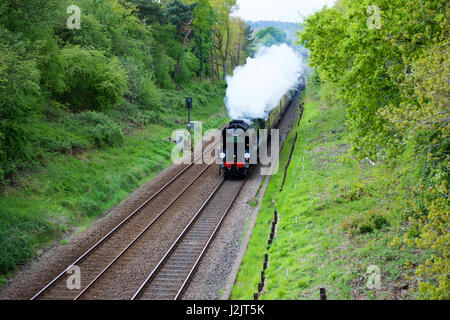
270, 36
394, 79
182, 17
150, 11
224, 9
203, 22
249, 42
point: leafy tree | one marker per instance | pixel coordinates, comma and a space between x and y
270, 36
181, 16
125, 49
393, 77
249, 42
20, 96
202, 25
94, 82
150, 11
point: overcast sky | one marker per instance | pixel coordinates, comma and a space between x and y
282, 10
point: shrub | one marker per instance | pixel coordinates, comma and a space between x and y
150, 96
189, 64
431, 233
131, 112
20, 97
351, 193
163, 66
364, 223
15, 249
93, 81
102, 129
107, 135
19, 234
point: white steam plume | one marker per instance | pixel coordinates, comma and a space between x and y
256, 88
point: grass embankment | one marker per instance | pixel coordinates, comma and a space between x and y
349, 214
71, 188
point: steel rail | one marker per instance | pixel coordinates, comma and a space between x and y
181, 237
140, 234
176, 242
137, 210
205, 248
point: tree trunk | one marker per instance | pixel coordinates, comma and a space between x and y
212, 59
239, 51
225, 56
186, 36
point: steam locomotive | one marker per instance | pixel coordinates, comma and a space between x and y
239, 150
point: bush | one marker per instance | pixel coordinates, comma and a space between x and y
150, 96
93, 81
15, 249
351, 193
429, 230
20, 97
132, 113
19, 233
189, 64
163, 68
328, 93
93, 34
107, 135
364, 223
102, 129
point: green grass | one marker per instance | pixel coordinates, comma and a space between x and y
68, 191
348, 214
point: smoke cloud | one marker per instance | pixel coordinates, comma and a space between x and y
256, 88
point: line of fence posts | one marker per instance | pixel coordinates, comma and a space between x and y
274, 226
266, 257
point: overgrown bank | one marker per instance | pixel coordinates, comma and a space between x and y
339, 216
70, 190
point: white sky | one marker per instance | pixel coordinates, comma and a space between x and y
282, 10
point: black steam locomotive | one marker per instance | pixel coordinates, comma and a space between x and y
240, 151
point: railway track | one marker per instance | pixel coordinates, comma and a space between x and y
171, 276
132, 231
163, 258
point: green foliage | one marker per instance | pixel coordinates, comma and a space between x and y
249, 46
136, 115
70, 189
189, 64
102, 129
93, 82
22, 16
394, 80
204, 20
352, 192
179, 15
165, 53
320, 253
150, 11
364, 222
368, 64
150, 96
270, 36
93, 34
434, 234
20, 96
19, 233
